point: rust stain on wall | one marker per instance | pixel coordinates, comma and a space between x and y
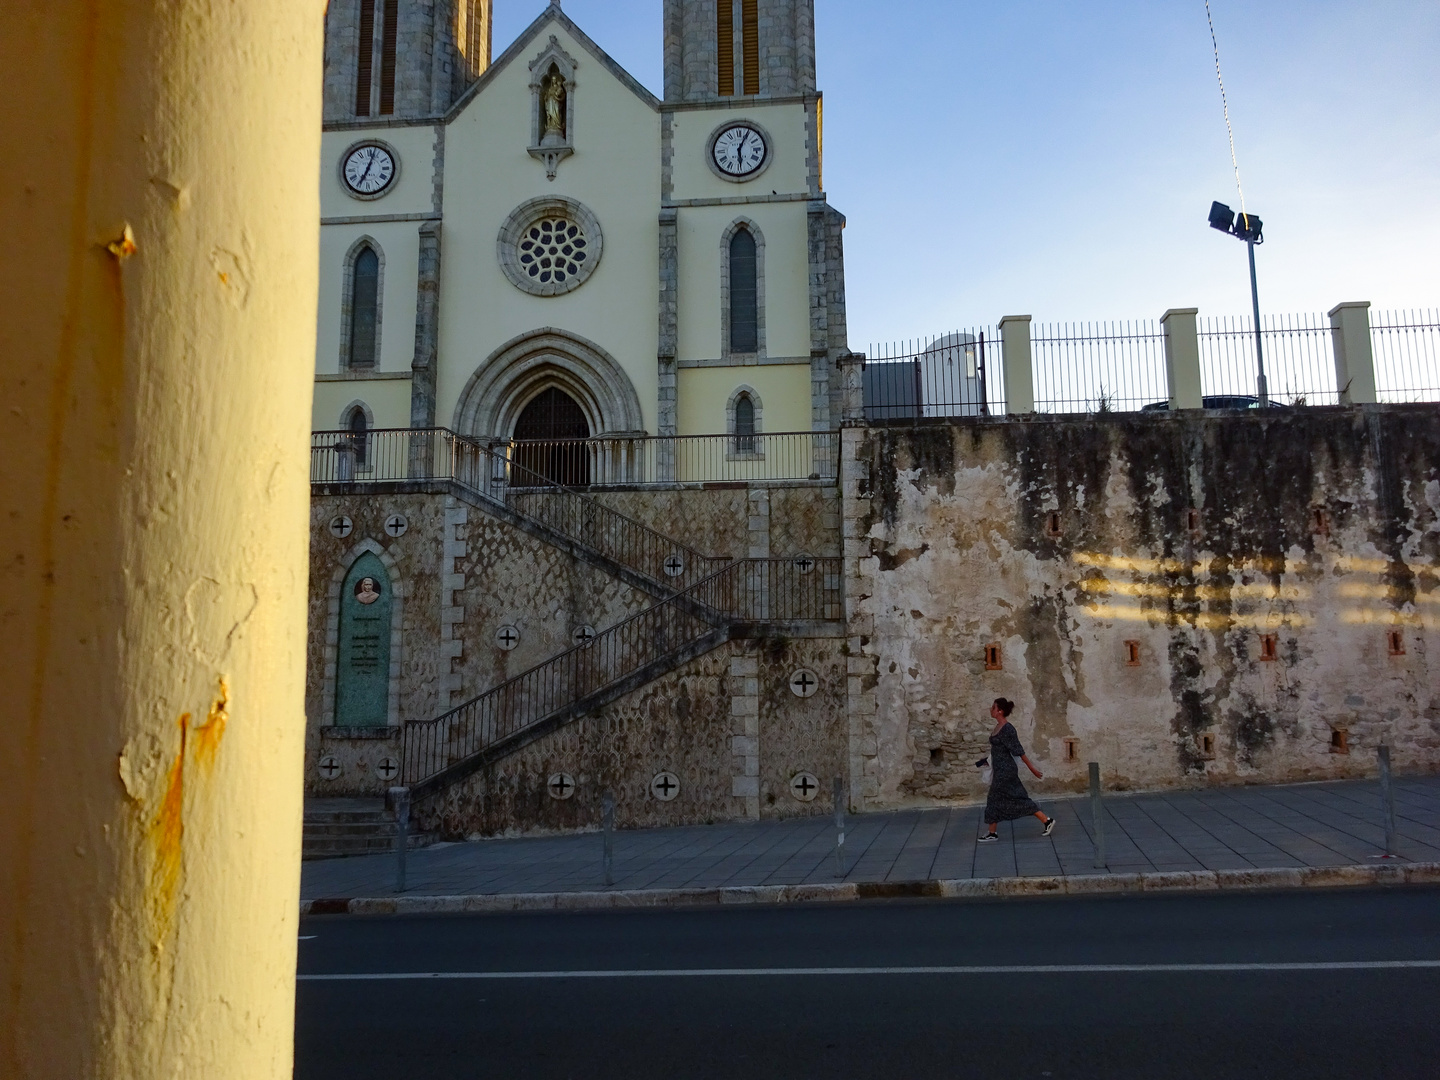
209, 734
165, 834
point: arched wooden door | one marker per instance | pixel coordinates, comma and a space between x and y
550, 435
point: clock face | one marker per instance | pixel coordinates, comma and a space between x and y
739, 150
368, 169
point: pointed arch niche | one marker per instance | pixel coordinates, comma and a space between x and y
343, 566
742, 292
743, 423
552, 75
362, 305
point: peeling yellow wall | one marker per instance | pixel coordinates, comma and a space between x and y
158, 279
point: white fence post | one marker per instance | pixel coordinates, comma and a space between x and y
1019, 374
1354, 354
1182, 357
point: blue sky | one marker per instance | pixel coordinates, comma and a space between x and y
1058, 159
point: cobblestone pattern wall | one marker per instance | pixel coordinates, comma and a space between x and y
717, 521
1062, 541
510, 578
685, 723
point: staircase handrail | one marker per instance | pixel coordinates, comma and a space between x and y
744, 591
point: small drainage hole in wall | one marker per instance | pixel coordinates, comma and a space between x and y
937, 756
1052, 523
993, 660
1396, 639
1207, 745
1339, 741
1132, 654
1072, 749
1269, 647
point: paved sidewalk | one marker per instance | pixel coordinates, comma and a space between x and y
1241, 828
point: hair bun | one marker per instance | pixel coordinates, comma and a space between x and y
1006, 705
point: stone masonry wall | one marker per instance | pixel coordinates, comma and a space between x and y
1188, 599
726, 724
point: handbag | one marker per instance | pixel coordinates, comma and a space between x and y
986, 773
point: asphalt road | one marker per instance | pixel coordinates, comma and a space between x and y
1299, 984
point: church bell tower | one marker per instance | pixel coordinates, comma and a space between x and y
717, 49
402, 58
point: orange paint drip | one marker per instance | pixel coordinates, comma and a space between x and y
166, 833
209, 734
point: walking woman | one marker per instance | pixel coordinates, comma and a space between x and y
1008, 798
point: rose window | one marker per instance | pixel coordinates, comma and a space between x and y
549, 246
553, 249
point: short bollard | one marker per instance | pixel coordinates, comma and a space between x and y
839, 827
607, 822
1098, 813
400, 800
1387, 801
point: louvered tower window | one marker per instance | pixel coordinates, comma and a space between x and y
744, 298
749, 15
750, 32
364, 308
365, 49
725, 37
389, 34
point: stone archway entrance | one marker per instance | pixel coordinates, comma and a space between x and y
550, 436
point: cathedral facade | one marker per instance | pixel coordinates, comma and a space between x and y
539, 247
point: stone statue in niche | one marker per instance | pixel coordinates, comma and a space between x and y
552, 104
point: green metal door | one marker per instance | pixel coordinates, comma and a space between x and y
362, 673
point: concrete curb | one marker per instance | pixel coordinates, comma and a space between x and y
1312, 877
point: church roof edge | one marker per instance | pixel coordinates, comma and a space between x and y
551, 14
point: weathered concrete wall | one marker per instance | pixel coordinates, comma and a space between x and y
1194, 537
717, 721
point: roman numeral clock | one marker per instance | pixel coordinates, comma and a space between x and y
739, 151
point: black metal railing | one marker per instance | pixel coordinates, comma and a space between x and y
1406, 346
959, 373
748, 591
404, 454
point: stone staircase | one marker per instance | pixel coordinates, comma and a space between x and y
338, 827
703, 601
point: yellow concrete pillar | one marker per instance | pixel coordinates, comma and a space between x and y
158, 258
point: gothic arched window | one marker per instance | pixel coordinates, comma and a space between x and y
744, 293
744, 425
359, 427
364, 307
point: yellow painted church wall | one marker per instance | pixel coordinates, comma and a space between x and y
784, 391
399, 242
787, 279
410, 193
614, 171
387, 399
787, 173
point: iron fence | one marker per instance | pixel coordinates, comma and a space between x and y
1406, 345
954, 374
749, 590
1299, 359
1098, 367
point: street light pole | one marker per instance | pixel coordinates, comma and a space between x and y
1262, 389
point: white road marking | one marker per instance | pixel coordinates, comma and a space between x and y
994, 969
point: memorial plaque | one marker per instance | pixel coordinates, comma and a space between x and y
362, 670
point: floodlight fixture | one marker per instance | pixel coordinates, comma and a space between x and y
1246, 227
